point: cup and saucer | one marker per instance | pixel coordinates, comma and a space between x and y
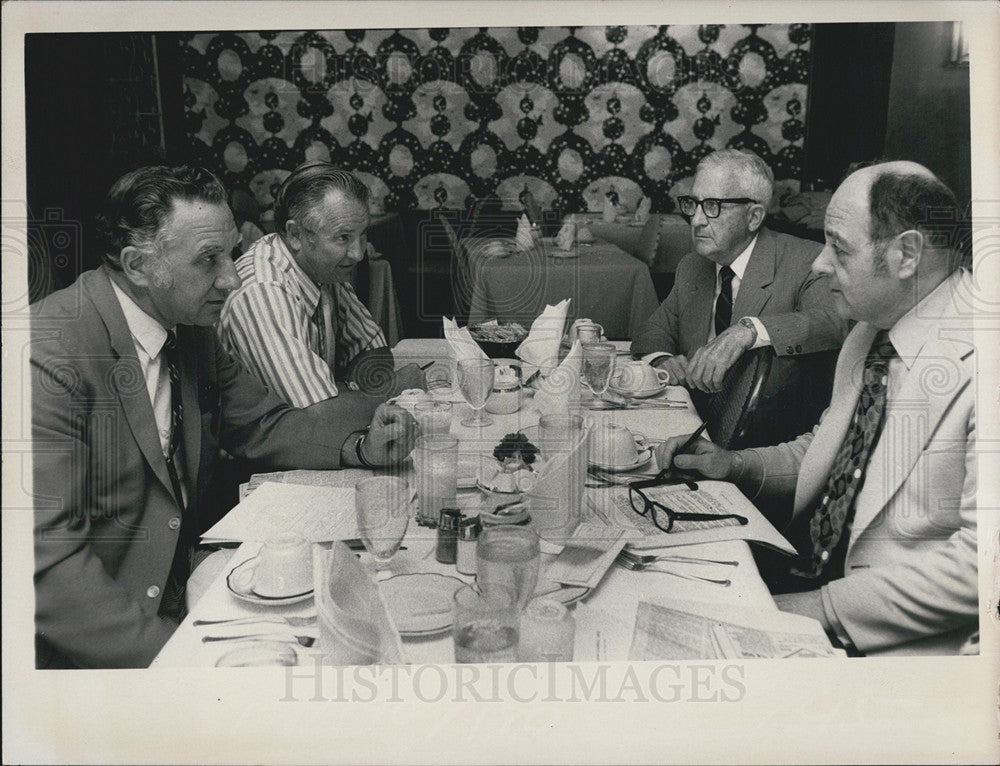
637, 380
280, 574
616, 449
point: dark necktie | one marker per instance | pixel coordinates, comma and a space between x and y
724, 303
170, 354
829, 528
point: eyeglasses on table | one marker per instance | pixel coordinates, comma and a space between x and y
662, 516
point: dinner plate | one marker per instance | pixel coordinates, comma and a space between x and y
238, 582
644, 394
420, 603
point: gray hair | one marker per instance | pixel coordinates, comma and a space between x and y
755, 177
307, 186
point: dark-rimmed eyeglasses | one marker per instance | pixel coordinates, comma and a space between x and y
658, 513
711, 206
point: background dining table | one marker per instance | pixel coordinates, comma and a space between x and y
602, 612
604, 283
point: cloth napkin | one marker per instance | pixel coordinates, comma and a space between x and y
610, 211
462, 344
354, 624
541, 347
642, 212
551, 499
560, 389
567, 234
523, 238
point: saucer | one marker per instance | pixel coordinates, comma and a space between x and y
643, 394
644, 456
421, 603
238, 582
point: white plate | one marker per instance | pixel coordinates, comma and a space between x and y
642, 459
645, 394
420, 604
567, 594
238, 582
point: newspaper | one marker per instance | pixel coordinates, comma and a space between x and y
345, 477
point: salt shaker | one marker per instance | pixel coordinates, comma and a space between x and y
468, 533
447, 536
547, 632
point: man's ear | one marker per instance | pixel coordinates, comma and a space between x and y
911, 247
756, 217
294, 234
136, 265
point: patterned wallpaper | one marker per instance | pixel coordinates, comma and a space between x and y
430, 117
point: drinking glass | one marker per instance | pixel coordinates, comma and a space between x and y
435, 463
382, 505
485, 625
475, 381
508, 556
547, 632
598, 366
563, 442
434, 418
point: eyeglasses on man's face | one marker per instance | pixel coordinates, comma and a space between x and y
662, 516
712, 206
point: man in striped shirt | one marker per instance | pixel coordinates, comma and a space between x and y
295, 322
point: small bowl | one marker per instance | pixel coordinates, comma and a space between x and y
497, 349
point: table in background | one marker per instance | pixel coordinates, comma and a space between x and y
605, 283
619, 588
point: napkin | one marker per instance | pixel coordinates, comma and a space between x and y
567, 234
610, 211
523, 238
560, 389
541, 347
354, 625
462, 344
642, 212
558, 491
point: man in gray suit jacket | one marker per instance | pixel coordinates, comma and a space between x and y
132, 398
745, 287
885, 486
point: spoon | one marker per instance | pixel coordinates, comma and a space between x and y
635, 566
298, 622
304, 640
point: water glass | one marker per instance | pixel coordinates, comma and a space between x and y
547, 632
475, 381
598, 366
382, 505
485, 624
508, 556
562, 441
435, 463
434, 418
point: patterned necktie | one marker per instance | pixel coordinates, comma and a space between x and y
724, 303
171, 356
835, 514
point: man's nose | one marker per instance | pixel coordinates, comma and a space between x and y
229, 279
698, 218
824, 261
356, 251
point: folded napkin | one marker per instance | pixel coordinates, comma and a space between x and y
462, 344
556, 497
354, 625
642, 212
559, 391
541, 347
523, 238
567, 234
610, 210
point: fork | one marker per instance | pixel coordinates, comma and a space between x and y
635, 566
303, 640
298, 622
652, 558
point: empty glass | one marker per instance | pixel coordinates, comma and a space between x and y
382, 505
508, 556
475, 381
485, 625
598, 366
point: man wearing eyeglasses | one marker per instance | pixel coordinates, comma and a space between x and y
884, 487
744, 287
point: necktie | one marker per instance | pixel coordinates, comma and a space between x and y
327, 329
829, 527
724, 303
170, 355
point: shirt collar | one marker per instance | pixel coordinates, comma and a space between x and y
739, 266
148, 333
310, 290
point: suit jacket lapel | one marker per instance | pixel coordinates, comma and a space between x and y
758, 276
697, 316
134, 398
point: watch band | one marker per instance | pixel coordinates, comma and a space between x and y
748, 322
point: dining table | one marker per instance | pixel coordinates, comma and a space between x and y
605, 283
602, 611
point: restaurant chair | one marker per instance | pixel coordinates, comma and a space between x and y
730, 411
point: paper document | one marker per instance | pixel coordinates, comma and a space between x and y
345, 477
587, 556
687, 630
716, 497
316, 513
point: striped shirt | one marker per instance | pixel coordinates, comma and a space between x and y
273, 324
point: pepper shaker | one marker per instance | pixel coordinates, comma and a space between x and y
468, 533
447, 536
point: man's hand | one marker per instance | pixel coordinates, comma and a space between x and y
809, 603
677, 366
708, 459
710, 363
391, 437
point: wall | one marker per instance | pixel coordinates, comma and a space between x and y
431, 117
929, 105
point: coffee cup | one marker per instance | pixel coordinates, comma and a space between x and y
585, 330
638, 376
284, 567
612, 445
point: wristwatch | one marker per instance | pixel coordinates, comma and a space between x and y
748, 322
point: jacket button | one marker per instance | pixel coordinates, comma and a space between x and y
789, 350
175, 522
798, 349
153, 591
